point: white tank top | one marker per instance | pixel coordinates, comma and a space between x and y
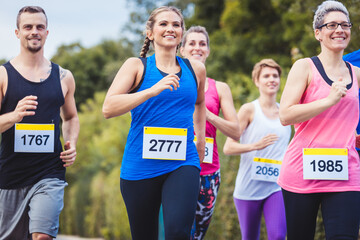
245, 187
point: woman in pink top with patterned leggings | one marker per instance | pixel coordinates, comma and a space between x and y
195, 45
321, 166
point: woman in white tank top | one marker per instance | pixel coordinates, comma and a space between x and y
262, 146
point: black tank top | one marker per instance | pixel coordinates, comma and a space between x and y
19, 169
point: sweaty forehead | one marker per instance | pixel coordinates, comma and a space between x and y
268, 70
335, 16
168, 16
196, 36
32, 19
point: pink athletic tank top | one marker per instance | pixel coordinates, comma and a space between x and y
213, 105
333, 128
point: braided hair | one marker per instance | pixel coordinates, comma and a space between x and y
145, 47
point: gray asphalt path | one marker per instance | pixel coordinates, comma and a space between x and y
66, 237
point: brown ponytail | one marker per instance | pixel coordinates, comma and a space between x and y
145, 48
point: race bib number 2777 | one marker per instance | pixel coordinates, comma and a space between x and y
165, 143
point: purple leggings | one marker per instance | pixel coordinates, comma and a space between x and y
249, 214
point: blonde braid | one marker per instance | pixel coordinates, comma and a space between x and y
145, 47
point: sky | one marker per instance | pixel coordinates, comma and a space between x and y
86, 21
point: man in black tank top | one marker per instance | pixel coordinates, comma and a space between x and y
33, 92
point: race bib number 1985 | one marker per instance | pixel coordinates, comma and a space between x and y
325, 163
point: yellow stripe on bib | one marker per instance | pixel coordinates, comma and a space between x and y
207, 139
165, 131
325, 151
22, 126
266, 160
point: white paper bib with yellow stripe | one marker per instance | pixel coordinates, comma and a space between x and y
265, 169
34, 138
165, 143
209, 149
325, 163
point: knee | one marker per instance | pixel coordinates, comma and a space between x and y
278, 235
41, 236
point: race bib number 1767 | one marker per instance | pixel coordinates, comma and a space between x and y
34, 138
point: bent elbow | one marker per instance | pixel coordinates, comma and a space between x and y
284, 122
283, 119
226, 150
106, 112
235, 133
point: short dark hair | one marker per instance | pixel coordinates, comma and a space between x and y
30, 9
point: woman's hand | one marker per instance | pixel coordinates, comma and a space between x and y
338, 91
266, 141
170, 82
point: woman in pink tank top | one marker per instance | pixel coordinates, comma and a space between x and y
195, 45
321, 166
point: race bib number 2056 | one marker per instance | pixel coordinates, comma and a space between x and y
265, 169
34, 138
165, 143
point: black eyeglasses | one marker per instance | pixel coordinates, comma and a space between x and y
334, 25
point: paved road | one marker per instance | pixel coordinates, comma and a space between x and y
65, 237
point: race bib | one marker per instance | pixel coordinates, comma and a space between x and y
264, 169
325, 163
164, 143
34, 138
209, 149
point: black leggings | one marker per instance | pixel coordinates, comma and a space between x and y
340, 212
177, 191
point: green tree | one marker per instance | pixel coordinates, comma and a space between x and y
93, 68
93, 203
205, 13
242, 32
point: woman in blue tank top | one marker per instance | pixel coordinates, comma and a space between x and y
161, 163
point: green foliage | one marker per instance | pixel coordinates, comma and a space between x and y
208, 15
93, 68
224, 224
93, 203
242, 32
252, 30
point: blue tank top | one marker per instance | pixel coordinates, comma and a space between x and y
19, 169
171, 109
